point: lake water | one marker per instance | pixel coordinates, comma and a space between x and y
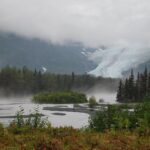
9, 107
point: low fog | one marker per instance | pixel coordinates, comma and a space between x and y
103, 96
9, 106
103, 93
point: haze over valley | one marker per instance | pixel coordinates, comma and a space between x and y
73, 46
75, 74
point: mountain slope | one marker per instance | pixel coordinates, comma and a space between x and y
34, 53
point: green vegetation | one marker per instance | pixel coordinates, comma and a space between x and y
25, 81
101, 100
123, 117
34, 120
115, 128
92, 102
134, 89
67, 138
60, 97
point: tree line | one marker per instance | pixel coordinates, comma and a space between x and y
25, 81
134, 88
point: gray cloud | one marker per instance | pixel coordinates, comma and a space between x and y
91, 22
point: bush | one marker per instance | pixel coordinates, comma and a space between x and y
60, 97
101, 100
1, 130
22, 125
120, 117
92, 102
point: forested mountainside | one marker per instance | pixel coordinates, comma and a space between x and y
34, 53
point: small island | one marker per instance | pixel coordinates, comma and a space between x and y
60, 97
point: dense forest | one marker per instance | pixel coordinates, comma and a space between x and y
25, 81
134, 89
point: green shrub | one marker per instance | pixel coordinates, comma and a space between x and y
92, 102
60, 97
101, 100
121, 117
1, 130
22, 125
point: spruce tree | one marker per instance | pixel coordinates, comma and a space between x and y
148, 85
131, 86
126, 90
145, 79
120, 92
137, 88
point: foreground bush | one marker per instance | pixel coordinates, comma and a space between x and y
60, 97
67, 138
123, 117
1, 130
34, 121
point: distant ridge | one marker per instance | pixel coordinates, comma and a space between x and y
34, 53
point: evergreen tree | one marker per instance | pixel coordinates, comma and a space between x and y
131, 86
135, 89
145, 81
25, 81
120, 97
148, 85
126, 90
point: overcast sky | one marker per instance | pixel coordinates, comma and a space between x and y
91, 22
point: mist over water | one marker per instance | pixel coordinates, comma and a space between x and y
108, 97
104, 93
10, 106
